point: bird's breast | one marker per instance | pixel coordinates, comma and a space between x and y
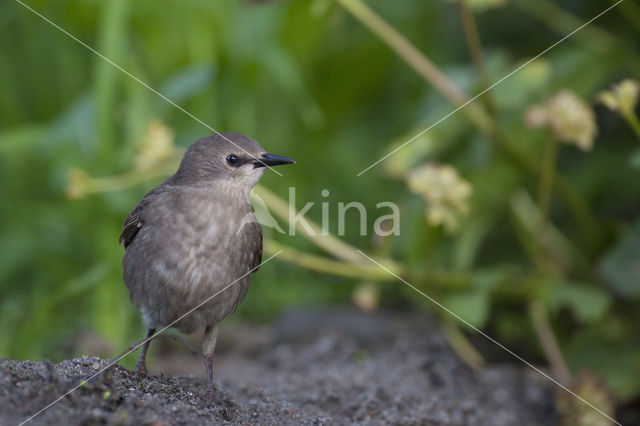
207, 236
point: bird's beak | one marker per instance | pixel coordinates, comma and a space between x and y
271, 160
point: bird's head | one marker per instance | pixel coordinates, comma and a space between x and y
226, 158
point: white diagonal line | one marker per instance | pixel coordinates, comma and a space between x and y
450, 312
124, 71
146, 340
491, 87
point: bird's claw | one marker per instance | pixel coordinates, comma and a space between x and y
141, 372
209, 396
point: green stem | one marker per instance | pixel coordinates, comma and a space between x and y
329, 243
544, 243
418, 61
573, 200
330, 266
542, 326
371, 271
631, 11
633, 121
112, 36
475, 48
546, 178
512, 288
587, 223
129, 179
462, 346
564, 23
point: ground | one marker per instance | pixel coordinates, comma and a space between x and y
335, 367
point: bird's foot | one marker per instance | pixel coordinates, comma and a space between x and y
141, 371
209, 395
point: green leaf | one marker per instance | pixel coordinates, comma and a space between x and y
588, 303
621, 265
188, 82
472, 307
615, 356
482, 5
524, 86
488, 279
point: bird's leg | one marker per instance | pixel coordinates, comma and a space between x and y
181, 340
208, 346
141, 366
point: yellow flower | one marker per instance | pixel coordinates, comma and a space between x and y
445, 192
156, 146
366, 297
570, 118
622, 97
590, 387
78, 183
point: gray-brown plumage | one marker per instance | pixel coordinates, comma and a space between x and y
192, 236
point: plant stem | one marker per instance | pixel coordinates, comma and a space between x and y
111, 42
330, 266
461, 345
543, 242
634, 123
564, 22
542, 326
475, 48
128, 179
418, 61
546, 178
573, 200
631, 12
329, 243
537, 310
371, 271
587, 223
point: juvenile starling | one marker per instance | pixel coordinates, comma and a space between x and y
193, 235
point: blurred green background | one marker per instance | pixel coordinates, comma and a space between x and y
542, 246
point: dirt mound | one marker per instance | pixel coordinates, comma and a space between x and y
335, 367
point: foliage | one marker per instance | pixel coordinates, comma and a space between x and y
545, 241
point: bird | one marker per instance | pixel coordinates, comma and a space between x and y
192, 236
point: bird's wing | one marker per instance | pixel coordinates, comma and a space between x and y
255, 232
135, 220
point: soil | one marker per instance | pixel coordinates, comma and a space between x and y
331, 367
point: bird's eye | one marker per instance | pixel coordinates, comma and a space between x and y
232, 160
